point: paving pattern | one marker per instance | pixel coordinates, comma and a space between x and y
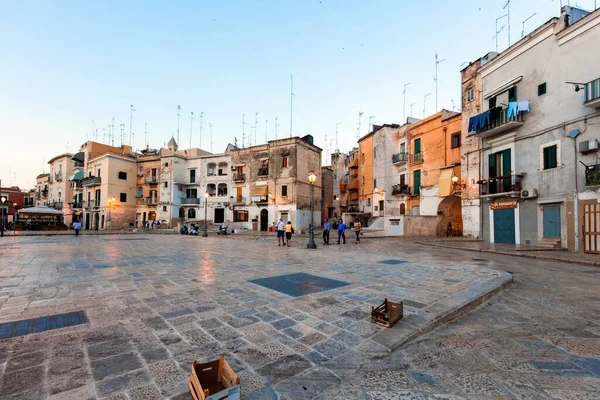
154, 304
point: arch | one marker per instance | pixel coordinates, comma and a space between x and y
96, 221
222, 189
192, 213
211, 189
181, 213
264, 220
144, 218
450, 215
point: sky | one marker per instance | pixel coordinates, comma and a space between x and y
68, 67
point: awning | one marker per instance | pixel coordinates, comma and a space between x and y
39, 210
257, 191
77, 176
503, 88
445, 186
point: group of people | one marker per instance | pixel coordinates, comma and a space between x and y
285, 232
341, 230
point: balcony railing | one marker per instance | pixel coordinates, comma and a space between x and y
400, 158
353, 185
416, 158
58, 176
190, 200
592, 94
57, 205
75, 205
507, 185
592, 175
400, 190
151, 179
239, 177
240, 200
501, 124
91, 181
77, 185
263, 172
261, 199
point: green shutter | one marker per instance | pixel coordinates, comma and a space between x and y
492, 167
512, 94
417, 146
417, 181
550, 159
506, 170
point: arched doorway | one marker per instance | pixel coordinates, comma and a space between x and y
450, 213
191, 213
264, 220
181, 213
96, 221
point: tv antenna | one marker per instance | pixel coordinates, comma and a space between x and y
425, 103
498, 31
404, 106
210, 125
131, 110
336, 134
243, 131
452, 101
146, 134
437, 62
507, 6
371, 117
276, 126
113, 132
178, 115
122, 128
266, 131
201, 128
255, 128
291, 101
411, 106
191, 127
523, 30
104, 135
360, 114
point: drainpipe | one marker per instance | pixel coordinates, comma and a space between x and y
481, 159
576, 205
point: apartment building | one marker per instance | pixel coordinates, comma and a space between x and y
147, 193
341, 180
41, 193
397, 173
59, 187
539, 130
365, 173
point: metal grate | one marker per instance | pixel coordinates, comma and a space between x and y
299, 284
41, 324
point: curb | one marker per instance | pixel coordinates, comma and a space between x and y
523, 254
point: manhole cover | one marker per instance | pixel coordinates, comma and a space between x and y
299, 284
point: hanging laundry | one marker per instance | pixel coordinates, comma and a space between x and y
523, 105
495, 113
512, 110
473, 123
484, 119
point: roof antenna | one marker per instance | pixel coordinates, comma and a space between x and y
200, 130
336, 134
178, 115
523, 30
425, 103
360, 114
210, 137
191, 127
436, 80
404, 106
291, 101
498, 31
507, 5
370, 123
131, 142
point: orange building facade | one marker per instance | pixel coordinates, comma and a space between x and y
435, 172
365, 172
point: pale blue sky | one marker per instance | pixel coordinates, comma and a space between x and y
64, 63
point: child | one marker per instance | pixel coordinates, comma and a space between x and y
289, 230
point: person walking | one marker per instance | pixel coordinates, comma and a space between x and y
341, 231
289, 231
357, 229
280, 232
77, 227
326, 230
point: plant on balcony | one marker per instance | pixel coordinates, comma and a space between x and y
592, 176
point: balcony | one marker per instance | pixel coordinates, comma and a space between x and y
152, 180
400, 158
400, 190
77, 185
353, 185
592, 175
91, 181
592, 94
263, 172
58, 176
190, 200
75, 206
343, 187
416, 158
353, 163
240, 200
57, 205
502, 124
239, 178
501, 186
260, 199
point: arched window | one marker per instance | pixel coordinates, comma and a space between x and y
191, 213
211, 189
181, 212
222, 189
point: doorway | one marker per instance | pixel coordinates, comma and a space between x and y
96, 221
219, 215
504, 226
591, 227
87, 221
551, 222
264, 220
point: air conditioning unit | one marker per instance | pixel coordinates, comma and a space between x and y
529, 193
588, 145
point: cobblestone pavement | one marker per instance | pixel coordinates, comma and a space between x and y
156, 303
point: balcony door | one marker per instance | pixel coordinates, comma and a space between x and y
500, 165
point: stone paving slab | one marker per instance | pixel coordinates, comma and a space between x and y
153, 306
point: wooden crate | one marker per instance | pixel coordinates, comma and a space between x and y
387, 314
214, 380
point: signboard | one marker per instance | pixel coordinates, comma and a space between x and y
503, 205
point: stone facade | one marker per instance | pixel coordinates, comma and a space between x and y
328, 208
60, 191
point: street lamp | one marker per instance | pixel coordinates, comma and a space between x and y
205, 214
312, 177
2, 200
15, 217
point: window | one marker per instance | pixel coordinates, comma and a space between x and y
165, 208
374, 183
166, 164
492, 102
542, 89
369, 202
97, 199
417, 182
500, 166
470, 94
403, 148
374, 152
284, 162
222, 189
363, 180
191, 213
166, 184
192, 176
284, 190
154, 172
455, 141
123, 197
98, 173
362, 158
240, 216
403, 180
210, 169
191, 193
122, 175
550, 157
512, 94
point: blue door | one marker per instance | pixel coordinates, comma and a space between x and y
504, 226
552, 222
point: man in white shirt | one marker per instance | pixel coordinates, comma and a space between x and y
280, 231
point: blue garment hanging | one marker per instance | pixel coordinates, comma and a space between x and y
512, 110
474, 123
484, 119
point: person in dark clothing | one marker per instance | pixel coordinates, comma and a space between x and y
341, 231
326, 230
